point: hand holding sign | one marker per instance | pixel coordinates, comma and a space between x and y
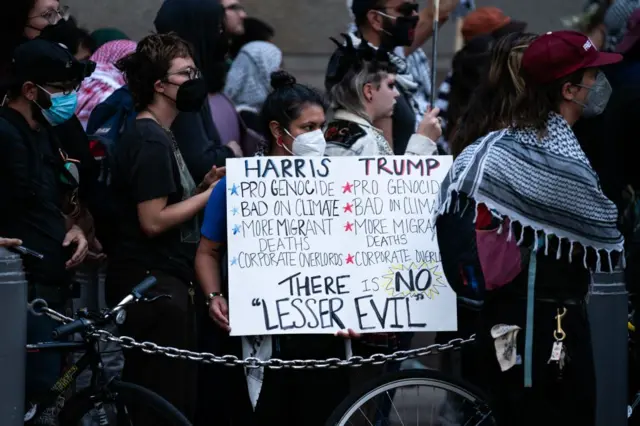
335, 245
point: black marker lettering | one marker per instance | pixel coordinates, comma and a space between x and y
361, 314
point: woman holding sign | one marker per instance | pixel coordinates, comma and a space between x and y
292, 117
366, 92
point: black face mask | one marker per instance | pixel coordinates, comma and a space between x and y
400, 31
191, 95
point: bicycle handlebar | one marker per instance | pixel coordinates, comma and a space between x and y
143, 287
82, 324
73, 327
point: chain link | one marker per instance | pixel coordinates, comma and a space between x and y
252, 362
276, 363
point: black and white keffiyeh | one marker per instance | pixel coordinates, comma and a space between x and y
544, 184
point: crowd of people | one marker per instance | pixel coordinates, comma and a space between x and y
113, 153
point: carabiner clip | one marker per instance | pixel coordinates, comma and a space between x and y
559, 333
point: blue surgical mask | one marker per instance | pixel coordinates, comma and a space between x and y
62, 107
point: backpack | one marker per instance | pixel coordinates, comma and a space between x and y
106, 123
477, 255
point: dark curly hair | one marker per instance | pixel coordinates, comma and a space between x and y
286, 102
149, 63
492, 105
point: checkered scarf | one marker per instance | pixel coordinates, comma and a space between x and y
544, 184
105, 80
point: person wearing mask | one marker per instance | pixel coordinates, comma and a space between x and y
491, 105
29, 19
397, 27
367, 94
532, 190
254, 30
158, 202
292, 117
38, 188
211, 135
105, 80
483, 21
248, 83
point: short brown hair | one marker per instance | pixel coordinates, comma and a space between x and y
149, 63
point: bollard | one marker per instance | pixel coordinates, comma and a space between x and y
608, 312
13, 335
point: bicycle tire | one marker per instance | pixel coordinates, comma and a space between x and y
427, 377
82, 403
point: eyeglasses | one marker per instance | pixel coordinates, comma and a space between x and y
404, 9
52, 16
65, 89
190, 73
236, 7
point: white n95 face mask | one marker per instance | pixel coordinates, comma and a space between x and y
310, 144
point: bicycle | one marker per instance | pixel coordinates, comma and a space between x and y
100, 393
455, 402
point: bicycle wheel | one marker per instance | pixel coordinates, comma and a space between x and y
386, 402
115, 405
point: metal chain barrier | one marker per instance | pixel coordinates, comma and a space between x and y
252, 362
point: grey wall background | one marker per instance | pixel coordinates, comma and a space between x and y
303, 27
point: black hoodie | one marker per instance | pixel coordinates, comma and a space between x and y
199, 22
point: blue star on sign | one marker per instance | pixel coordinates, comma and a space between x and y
234, 211
234, 190
236, 229
234, 261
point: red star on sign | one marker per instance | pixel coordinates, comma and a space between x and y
347, 208
349, 258
348, 226
347, 188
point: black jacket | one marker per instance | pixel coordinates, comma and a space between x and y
32, 196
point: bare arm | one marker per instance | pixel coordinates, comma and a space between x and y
156, 216
208, 273
208, 265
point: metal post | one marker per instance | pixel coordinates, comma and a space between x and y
608, 310
13, 335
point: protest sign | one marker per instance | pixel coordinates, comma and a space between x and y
320, 244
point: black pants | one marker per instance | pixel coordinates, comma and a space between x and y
167, 322
223, 398
307, 397
553, 399
288, 397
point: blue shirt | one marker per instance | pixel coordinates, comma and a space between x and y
214, 226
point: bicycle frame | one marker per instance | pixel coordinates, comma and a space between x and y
91, 359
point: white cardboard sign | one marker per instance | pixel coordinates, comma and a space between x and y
320, 244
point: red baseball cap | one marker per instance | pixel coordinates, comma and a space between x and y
632, 35
557, 54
